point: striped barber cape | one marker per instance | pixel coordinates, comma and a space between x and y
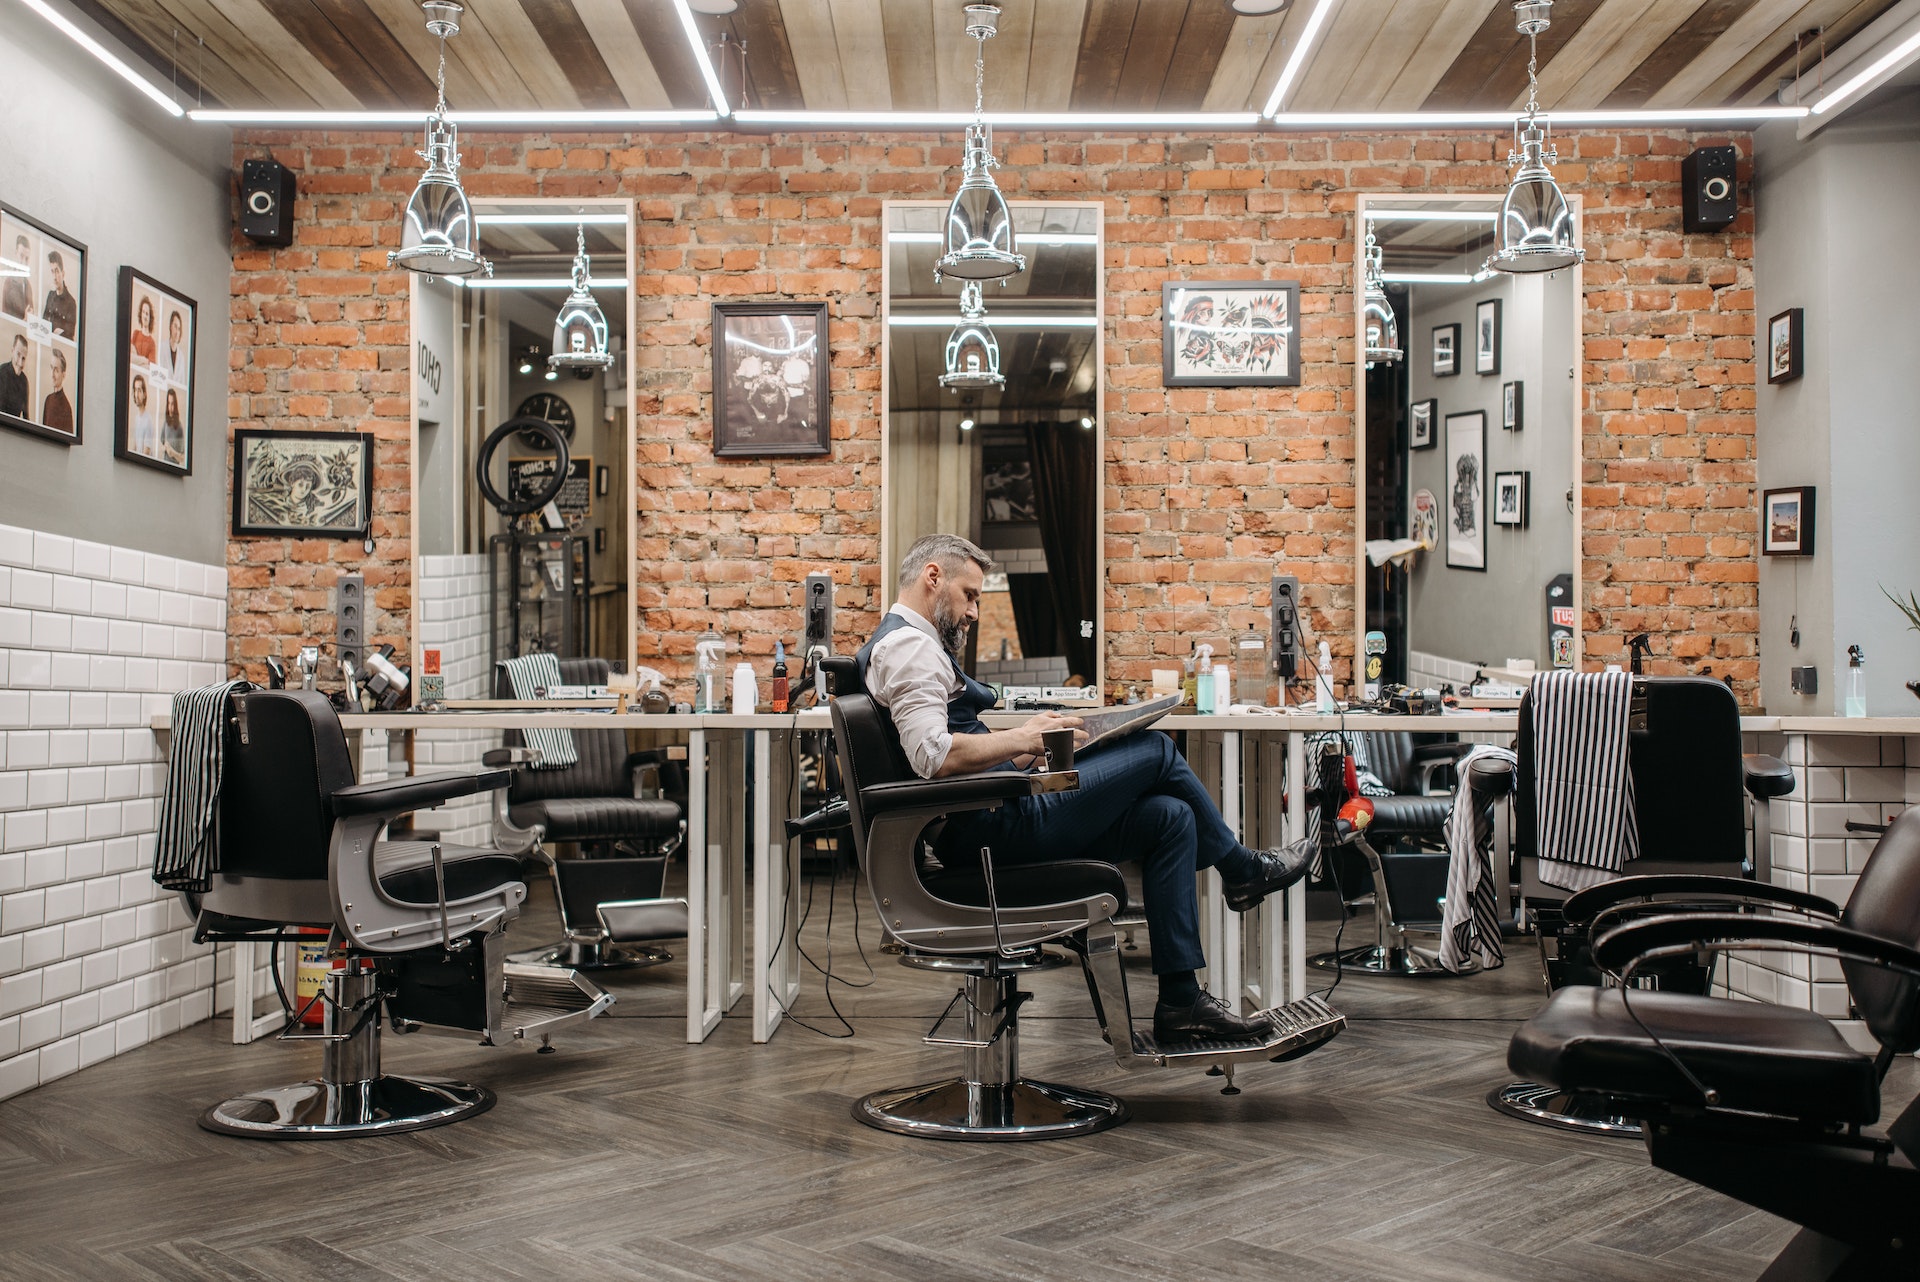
188, 852
1583, 785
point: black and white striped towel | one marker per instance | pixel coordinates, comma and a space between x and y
529, 676
1583, 784
188, 853
1470, 920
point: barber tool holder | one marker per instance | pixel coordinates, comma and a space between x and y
539, 594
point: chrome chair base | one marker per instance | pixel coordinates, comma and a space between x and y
316, 1110
593, 955
1381, 959
1551, 1106
955, 1109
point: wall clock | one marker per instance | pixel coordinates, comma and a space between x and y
549, 406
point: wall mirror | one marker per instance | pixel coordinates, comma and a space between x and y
1015, 468
486, 586
1470, 445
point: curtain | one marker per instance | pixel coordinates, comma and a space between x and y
1033, 615
1063, 480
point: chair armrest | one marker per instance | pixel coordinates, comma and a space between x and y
657, 756
1491, 776
414, 792
1766, 776
963, 792
1440, 752
1619, 950
522, 756
1723, 893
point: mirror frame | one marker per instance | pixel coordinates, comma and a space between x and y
888, 554
629, 206
1403, 199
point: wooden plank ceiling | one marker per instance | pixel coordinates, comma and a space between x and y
1051, 55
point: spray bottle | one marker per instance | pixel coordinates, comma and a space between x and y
1323, 678
708, 651
1203, 678
1856, 682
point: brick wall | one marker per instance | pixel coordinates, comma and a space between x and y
1207, 489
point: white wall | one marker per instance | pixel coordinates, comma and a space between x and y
88, 156
1837, 218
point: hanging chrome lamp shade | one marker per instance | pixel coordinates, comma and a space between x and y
1535, 232
1382, 329
437, 236
979, 242
580, 330
973, 354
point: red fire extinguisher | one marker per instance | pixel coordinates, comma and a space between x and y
310, 974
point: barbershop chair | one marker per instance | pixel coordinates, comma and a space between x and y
416, 927
988, 925
1405, 854
1766, 1104
1689, 781
615, 805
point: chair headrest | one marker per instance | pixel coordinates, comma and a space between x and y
843, 675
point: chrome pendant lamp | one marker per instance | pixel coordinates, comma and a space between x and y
437, 237
1535, 232
580, 330
973, 353
1382, 329
979, 242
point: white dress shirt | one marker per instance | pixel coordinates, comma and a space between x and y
911, 675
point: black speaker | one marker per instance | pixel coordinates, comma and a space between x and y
266, 202
1707, 190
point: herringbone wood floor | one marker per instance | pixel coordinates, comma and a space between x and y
631, 1155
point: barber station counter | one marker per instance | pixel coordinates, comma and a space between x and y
1846, 770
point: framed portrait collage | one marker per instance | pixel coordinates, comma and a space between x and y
153, 395
43, 290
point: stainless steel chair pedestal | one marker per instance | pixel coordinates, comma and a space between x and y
989, 1100
352, 1097
1387, 959
1551, 1106
593, 953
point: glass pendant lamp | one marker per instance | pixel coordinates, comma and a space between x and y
1382, 329
973, 354
437, 236
1535, 232
979, 236
580, 330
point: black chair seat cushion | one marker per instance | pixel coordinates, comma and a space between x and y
1396, 817
599, 818
1760, 1058
1026, 885
405, 870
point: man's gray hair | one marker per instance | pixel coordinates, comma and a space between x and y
948, 551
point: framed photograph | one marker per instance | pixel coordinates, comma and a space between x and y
1486, 337
1420, 416
1510, 498
1467, 496
1783, 346
1446, 350
43, 292
1513, 406
310, 485
770, 391
1786, 521
153, 396
1232, 333
1006, 487
602, 480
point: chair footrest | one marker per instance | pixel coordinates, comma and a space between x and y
543, 998
1297, 1028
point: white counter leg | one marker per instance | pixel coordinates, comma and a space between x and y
1230, 941
703, 1006
1296, 928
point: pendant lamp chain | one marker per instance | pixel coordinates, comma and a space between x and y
438, 236
1536, 231
979, 226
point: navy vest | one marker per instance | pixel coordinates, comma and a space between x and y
964, 709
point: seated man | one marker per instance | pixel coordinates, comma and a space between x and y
1138, 798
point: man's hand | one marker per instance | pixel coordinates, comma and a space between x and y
1021, 745
1040, 723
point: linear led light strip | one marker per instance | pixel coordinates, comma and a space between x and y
1432, 216
549, 220
498, 119
700, 55
1854, 84
999, 321
954, 120
1436, 278
105, 55
1299, 57
535, 282
1025, 238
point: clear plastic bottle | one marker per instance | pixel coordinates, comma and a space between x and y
1250, 667
709, 650
1323, 678
1203, 678
1856, 705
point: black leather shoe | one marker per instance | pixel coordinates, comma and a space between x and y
1279, 868
1208, 1019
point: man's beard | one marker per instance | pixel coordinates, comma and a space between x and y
952, 630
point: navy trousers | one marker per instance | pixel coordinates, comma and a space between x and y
1138, 799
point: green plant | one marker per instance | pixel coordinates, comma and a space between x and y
1909, 607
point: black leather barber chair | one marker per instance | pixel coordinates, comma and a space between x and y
1766, 1104
416, 927
988, 925
614, 805
1689, 777
1405, 855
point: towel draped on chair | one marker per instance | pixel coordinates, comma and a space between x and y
529, 676
188, 852
1583, 783
1470, 919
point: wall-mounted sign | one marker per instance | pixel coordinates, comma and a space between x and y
528, 476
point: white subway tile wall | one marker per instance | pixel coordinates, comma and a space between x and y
95, 958
452, 618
